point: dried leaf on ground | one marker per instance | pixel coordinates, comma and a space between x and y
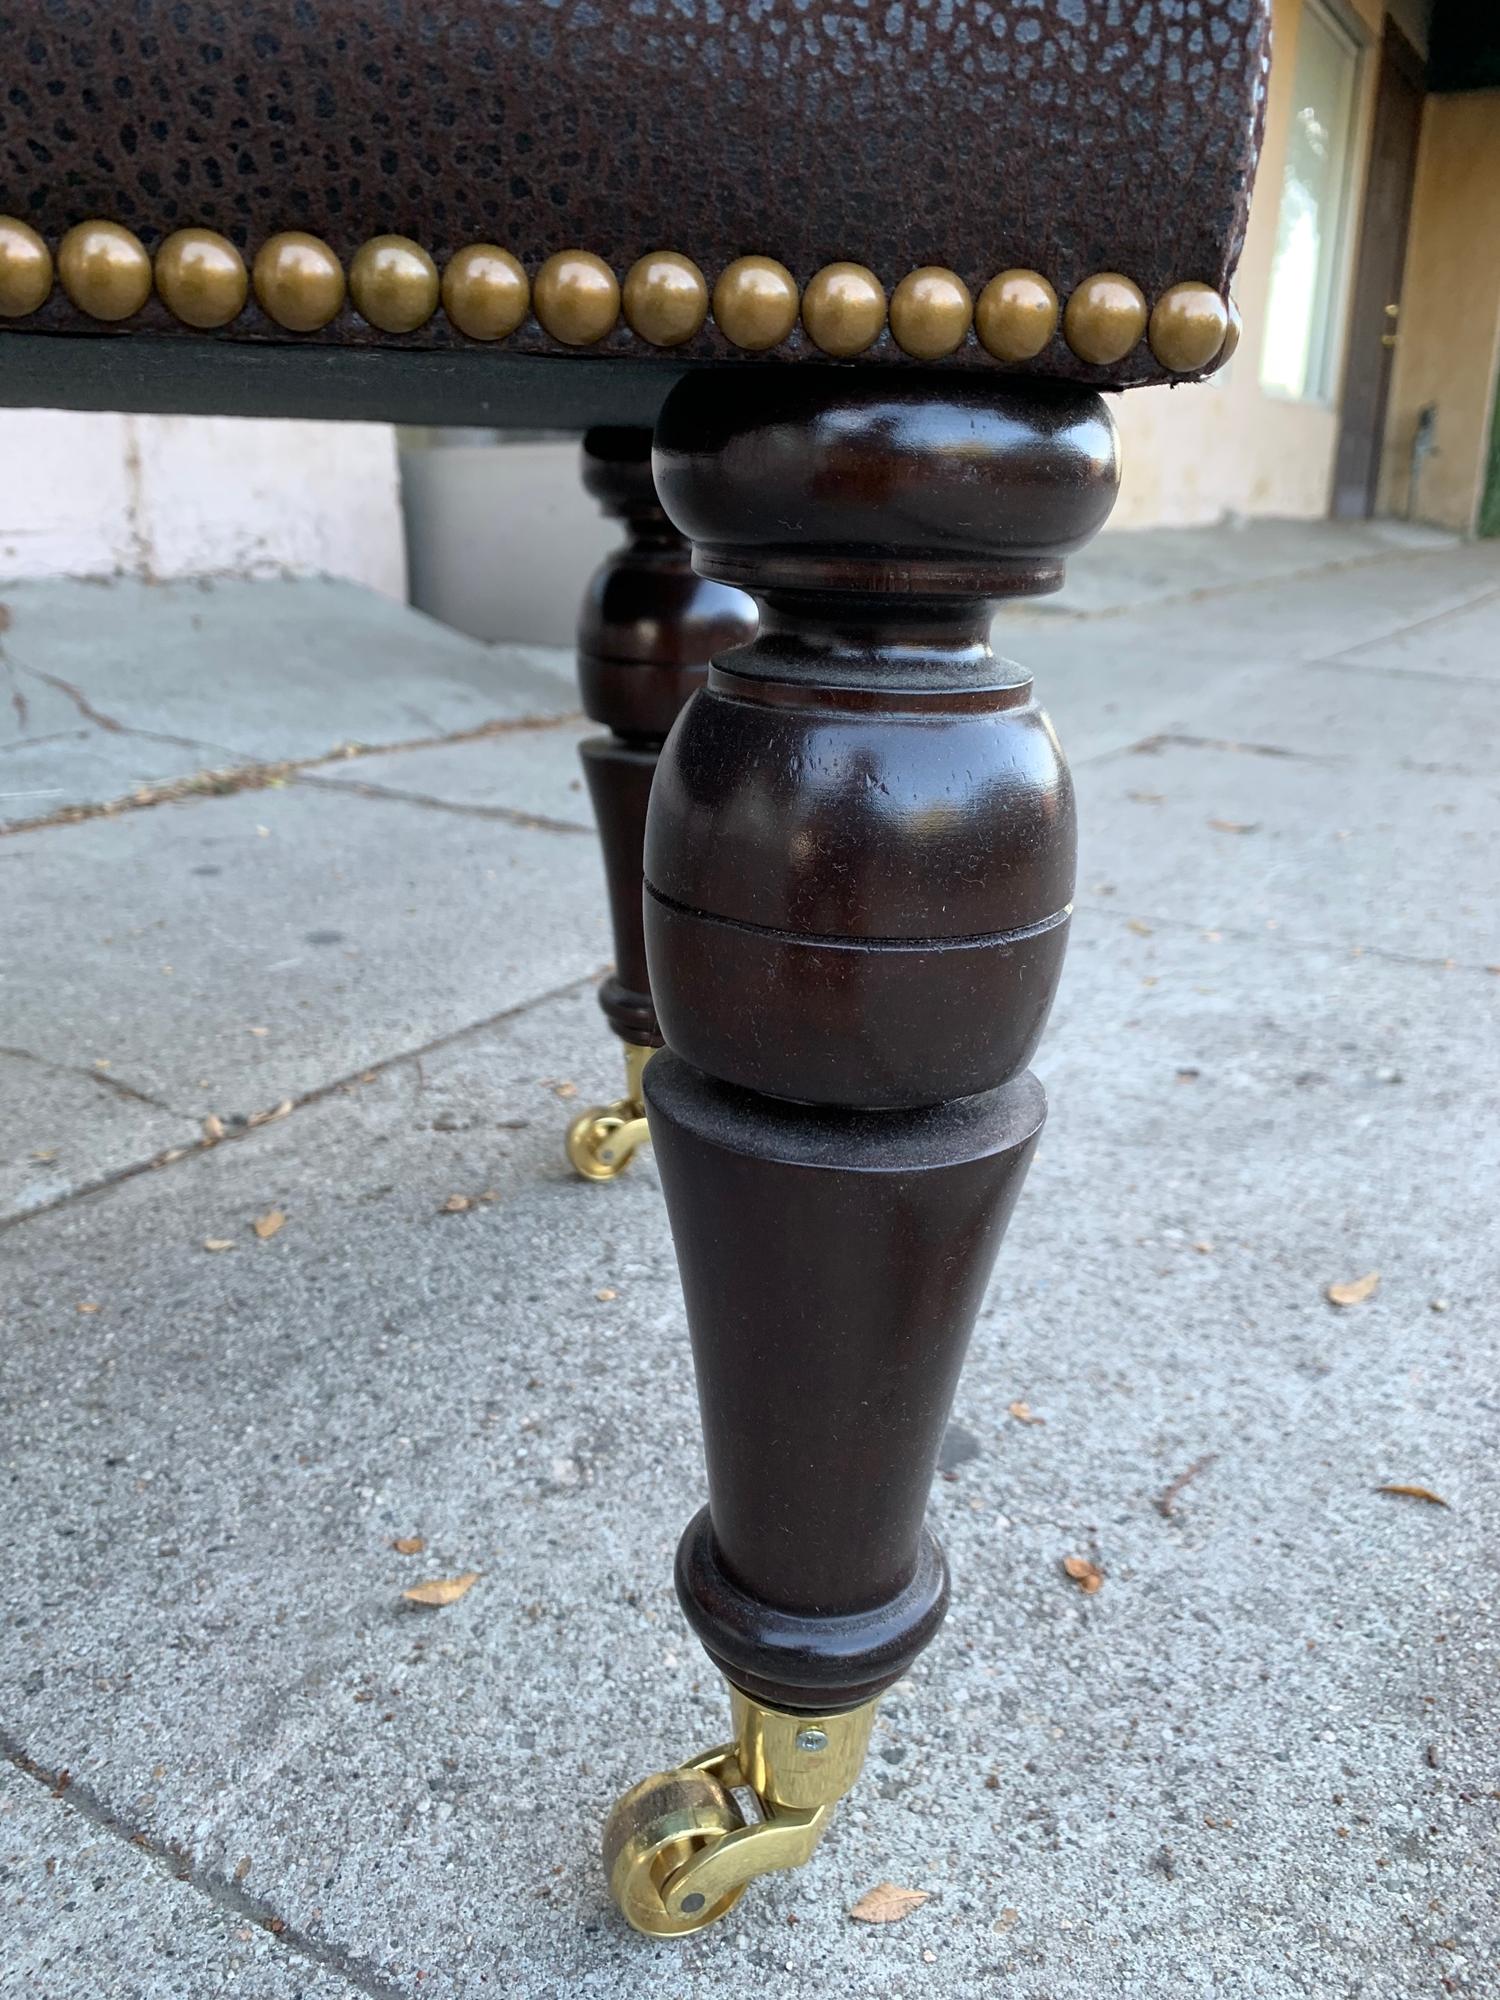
266, 1226
1415, 1493
442, 1589
887, 1904
218, 1242
1140, 929
281, 1110
1355, 1291
1024, 1414
456, 1204
1088, 1576
409, 1545
565, 1089
88, 1305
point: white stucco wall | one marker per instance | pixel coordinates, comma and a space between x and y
84, 494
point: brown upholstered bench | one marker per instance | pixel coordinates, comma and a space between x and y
863, 271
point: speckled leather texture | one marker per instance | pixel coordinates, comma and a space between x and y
1071, 136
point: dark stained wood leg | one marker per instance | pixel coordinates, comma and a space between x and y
646, 631
859, 870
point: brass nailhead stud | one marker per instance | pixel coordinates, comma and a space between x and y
577, 297
1232, 334
486, 293
104, 270
25, 268
755, 303
931, 312
393, 283
1016, 316
298, 280
843, 309
201, 277
1105, 318
666, 298
1189, 323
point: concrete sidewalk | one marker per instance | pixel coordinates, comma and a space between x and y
292, 865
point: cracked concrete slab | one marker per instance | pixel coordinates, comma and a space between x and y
1110, 681
167, 679
1460, 643
63, 1128
527, 772
212, 1630
225, 954
1328, 853
1327, 713
1258, 1763
84, 1905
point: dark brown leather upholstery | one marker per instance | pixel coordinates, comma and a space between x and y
1074, 136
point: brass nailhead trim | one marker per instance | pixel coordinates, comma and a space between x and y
1188, 327
1105, 318
201, 277
299, 281
393, 283
576, 297
25, 268
756, 302
104, 270
843, 309
485, 292
666, 298
1016, 316
932, 310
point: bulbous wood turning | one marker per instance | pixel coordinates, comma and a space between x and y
859, 869
646, 631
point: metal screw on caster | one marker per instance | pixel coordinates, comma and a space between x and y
603, 1141
678, 1851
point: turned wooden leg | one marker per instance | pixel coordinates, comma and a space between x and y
859, 868
646, 632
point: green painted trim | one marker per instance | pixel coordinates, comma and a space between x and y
1489, 502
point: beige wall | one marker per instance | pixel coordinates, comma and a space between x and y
87, 493
1193, 454
1450, 313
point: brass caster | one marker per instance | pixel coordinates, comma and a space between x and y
679, 1853
602, 1142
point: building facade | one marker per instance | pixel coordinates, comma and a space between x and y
1365, 381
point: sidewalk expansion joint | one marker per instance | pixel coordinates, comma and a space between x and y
277, 1114
225, 1895
505, 815
101, 1077
1042, 613
252, 775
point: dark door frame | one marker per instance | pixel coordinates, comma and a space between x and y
1362, 415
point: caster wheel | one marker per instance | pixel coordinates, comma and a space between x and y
589, 1140
658, 1825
